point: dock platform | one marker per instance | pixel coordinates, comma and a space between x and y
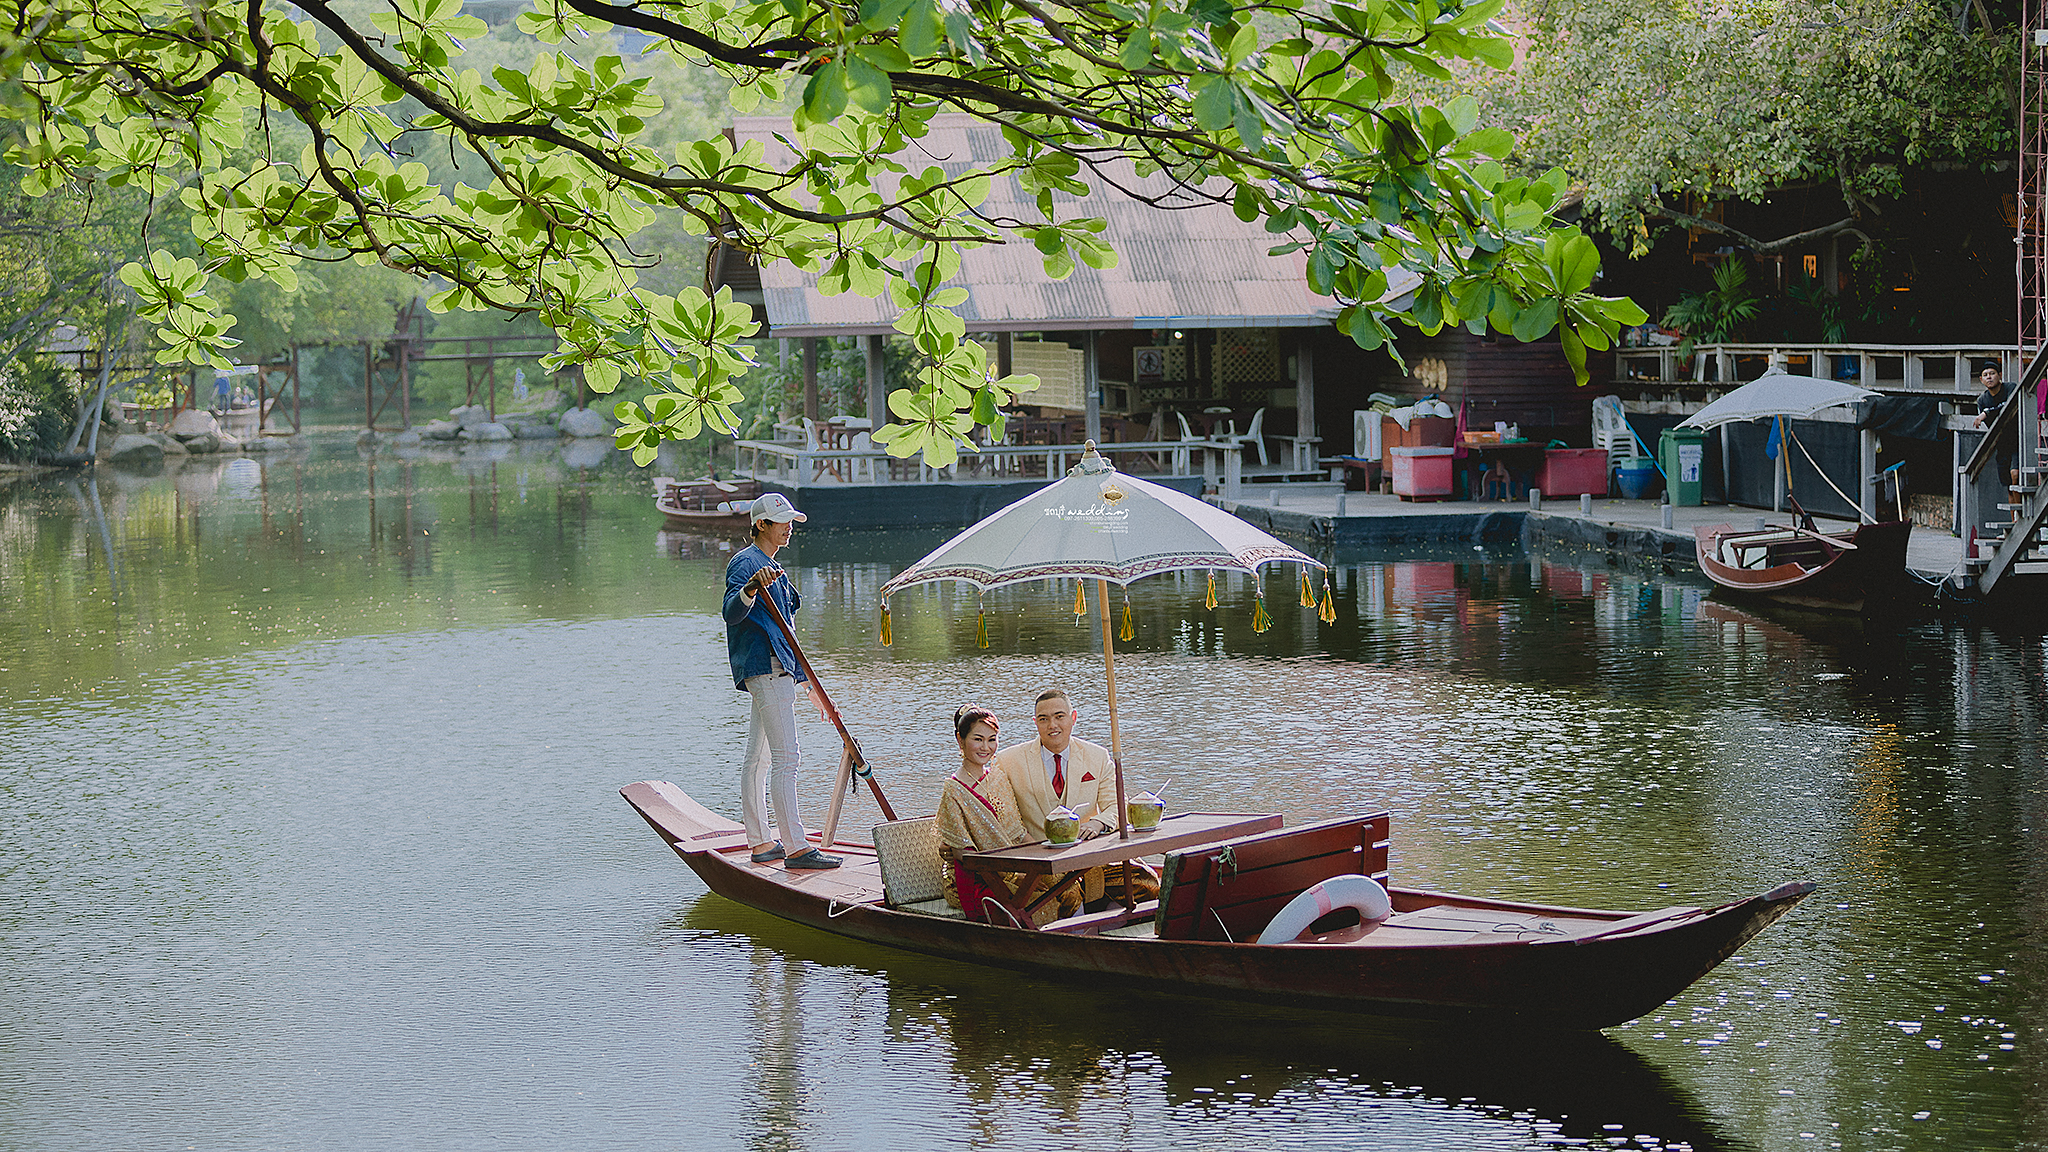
1310, 511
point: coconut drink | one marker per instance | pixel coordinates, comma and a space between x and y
1145, 810
1062, 825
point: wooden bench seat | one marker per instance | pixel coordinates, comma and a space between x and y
1230, 891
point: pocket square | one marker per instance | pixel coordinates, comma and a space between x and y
1087, 776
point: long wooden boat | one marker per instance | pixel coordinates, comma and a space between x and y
1844, 571
1437, 956
704, 502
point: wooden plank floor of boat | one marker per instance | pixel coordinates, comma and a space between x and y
857, 881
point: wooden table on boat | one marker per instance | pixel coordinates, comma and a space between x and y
1185, 830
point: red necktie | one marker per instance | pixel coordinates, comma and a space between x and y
1059, 778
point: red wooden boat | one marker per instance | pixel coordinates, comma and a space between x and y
704, 502
1436, 956
1798, 565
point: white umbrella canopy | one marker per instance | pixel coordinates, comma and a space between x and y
1776, 394
1098, 523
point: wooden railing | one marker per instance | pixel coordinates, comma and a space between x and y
1222, 464
1941, 368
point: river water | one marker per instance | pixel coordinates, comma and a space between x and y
309, 838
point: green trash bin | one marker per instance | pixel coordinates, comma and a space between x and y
1683, 453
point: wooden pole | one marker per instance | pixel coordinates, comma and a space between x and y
839, 790
856, 762
1116, 750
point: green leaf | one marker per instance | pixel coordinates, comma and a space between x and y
1215, 103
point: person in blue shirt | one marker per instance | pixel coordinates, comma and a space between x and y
765, 667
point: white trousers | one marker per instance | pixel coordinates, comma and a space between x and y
769, 772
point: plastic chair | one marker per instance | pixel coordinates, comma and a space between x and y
1611, 432
1187, 436
1254, 436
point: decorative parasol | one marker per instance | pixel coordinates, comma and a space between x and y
1098, 523
1776, 393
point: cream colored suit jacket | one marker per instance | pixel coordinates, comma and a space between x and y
1090, 779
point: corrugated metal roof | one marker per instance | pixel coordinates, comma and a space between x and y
1197, 267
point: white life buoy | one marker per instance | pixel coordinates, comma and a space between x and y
1360, 892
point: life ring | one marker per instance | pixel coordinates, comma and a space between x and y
1360, 892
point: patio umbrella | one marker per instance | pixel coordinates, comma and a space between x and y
1776, 394
1099, 523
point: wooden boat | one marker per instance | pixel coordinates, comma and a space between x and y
1437, 956
704, 502
1799, 565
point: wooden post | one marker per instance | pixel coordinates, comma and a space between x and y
1006, 353
811, 407
405, 380
369, 402
262, 385
878, 382
1091, 388
840, 785
296, 426
1305, 401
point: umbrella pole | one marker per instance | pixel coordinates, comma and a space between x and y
1116, 751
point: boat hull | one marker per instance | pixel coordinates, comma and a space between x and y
1581, 983
1804, 571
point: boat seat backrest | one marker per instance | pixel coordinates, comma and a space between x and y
908, 853
1230, 891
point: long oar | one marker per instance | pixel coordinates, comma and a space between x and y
851, 760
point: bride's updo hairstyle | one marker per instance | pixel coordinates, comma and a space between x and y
968, 715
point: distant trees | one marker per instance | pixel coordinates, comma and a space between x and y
1656, 106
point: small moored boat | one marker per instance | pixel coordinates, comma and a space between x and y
1843, 570
704, 502
1433, 955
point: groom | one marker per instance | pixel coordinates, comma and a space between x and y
1057, 769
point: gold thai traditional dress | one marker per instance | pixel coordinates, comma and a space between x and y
981, 816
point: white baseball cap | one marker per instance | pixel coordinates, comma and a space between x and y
775, 507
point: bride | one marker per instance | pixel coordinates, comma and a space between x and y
978, 813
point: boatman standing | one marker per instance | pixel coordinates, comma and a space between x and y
766, 668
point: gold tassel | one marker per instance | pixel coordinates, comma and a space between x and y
1308, 591
1126, 633
1260, 621
1080, 599
1209, 601
887, 639
1328, 612
981, 627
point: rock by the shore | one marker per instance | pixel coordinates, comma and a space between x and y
584, 423
528, 430
171, 445
193, 423
203, 444
134, 449
470, 416
440, 430
367, 438
487, 432
409, 438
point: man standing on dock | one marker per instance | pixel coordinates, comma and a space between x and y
766, 668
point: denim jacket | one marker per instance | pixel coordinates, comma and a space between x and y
750, 633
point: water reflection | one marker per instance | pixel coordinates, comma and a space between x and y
1080, 1063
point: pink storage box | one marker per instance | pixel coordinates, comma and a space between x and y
1422, 473
1573, 472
